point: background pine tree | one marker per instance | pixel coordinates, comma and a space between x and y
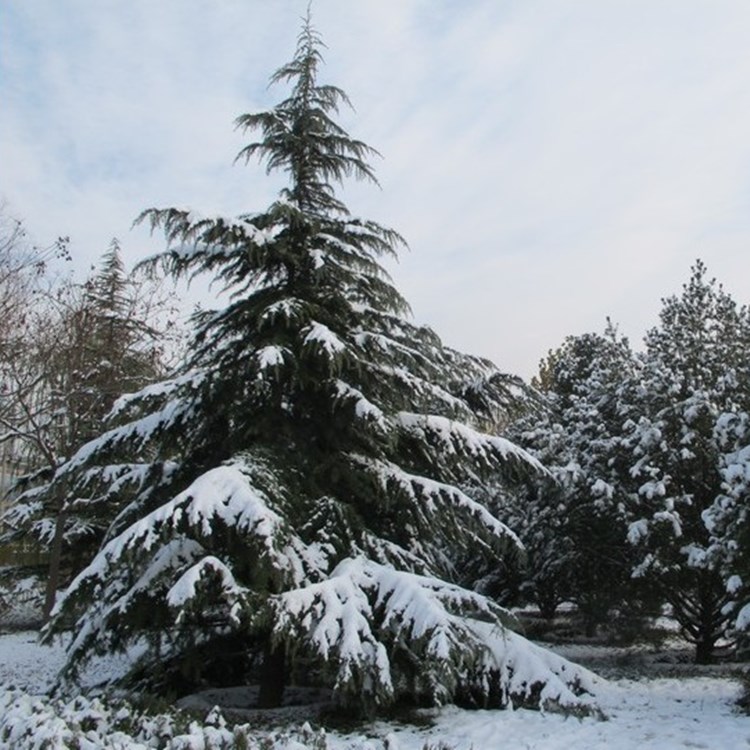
573, 522
693, 372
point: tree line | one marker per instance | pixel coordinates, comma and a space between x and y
648, 454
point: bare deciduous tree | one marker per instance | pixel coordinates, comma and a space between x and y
68, 351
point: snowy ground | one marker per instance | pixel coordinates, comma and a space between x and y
663, 712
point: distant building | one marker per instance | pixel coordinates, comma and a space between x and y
14, 463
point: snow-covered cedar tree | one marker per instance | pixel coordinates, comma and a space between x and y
695, 371
572, 521
289, 505
86, 345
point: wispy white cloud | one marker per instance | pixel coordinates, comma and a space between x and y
549, 163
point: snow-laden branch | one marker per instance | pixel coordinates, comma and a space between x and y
453, 641
456, 438
433, 494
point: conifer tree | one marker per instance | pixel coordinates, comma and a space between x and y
290, 504
572, 521
119, 348
695, 370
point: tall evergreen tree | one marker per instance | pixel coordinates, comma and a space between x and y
119, 348
290, 503
110, 348
695, 369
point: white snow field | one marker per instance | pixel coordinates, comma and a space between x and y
648, 714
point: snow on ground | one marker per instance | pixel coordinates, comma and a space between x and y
26, 664
31, 666
648, 714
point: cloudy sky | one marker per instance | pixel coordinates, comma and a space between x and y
551, 162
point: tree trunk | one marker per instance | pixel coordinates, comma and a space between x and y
547, 602
704, 651
590, 626
712, 597
272, 677
548, 610
55, 557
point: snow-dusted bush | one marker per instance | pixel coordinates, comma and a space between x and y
37, 723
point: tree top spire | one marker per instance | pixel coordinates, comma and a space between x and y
300, 137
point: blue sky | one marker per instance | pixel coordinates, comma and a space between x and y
550, 163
